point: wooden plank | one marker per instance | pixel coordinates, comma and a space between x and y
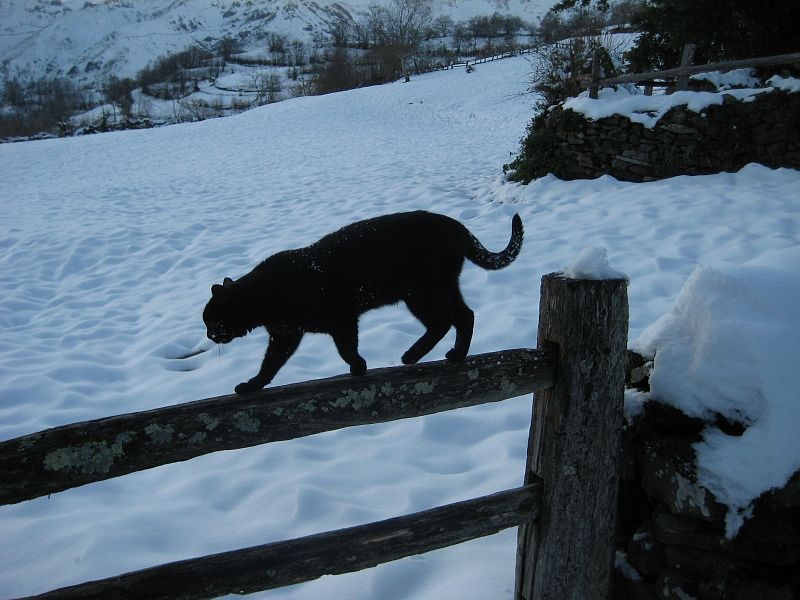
346, 550
782, 59
682, 83
73, 455
575, 442
594, 90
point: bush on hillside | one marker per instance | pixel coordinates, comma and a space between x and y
541, 151
39, 105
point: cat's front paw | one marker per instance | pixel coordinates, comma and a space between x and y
248, 387
409, 358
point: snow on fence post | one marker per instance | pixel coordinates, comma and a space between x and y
574, 441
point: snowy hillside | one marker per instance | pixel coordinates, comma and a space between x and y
90, 40
109, 245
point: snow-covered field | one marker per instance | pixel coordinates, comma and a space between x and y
109, 245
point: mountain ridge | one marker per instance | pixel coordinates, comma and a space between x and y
92, 40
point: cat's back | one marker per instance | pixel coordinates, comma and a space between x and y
406, 232
389, 253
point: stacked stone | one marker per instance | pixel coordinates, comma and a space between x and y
671, 529
764, 129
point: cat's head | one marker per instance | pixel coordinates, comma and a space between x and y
223, 314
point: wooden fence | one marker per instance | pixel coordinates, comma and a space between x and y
469, 64
566, 509
681, 74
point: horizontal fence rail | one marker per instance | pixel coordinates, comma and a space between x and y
571, 475
782, 59
486, 59
346, 550
73, 455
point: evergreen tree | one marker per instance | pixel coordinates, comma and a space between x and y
721, 31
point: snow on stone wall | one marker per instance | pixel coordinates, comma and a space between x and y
686, 140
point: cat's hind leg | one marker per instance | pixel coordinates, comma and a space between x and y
464, 320
434, 316
345, 336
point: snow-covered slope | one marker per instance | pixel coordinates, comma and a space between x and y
93, 39
109, 245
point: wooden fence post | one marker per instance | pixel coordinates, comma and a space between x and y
594, 90
682, 81
574, 442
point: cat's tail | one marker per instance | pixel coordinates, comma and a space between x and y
478, 254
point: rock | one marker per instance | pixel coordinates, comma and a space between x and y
634, 508
645, 551
629, 589
658, 453
740, 586
768, 540
785, 498
722, 138
674, 586
680, 129
771, 539
703, 565
671, 421
672, 529
728, 427
665, 466
679, 530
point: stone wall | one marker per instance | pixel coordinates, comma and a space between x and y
721, 138
671, 530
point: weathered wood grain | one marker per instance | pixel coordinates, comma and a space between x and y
575, 441
343, 551
73, 455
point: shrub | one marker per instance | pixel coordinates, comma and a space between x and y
559, 67
118, 91
556, 77
540, 150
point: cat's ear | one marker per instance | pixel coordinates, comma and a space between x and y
222, 291
217, 291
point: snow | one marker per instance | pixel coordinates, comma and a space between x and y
630, 102
787, 84
726, 346
737, 78
621, 564
109, 245
592, 263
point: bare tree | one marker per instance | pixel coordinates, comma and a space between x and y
401, 26
303, 86
142, 106
443, 25
266, 83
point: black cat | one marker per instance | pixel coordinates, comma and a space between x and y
414, 257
